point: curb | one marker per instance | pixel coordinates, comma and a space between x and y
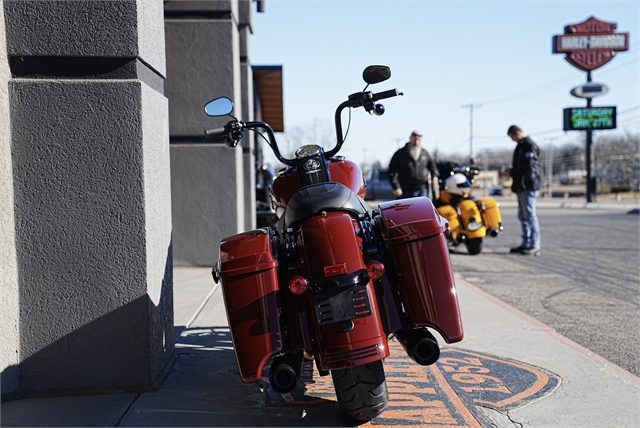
633, 208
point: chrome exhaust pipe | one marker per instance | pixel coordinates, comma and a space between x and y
493, 232
285, 370
420, 345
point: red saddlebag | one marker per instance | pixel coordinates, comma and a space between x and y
248, 272
414, 234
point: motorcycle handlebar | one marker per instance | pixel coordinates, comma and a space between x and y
233, 130
355, 100
210, 134
386, 94
271, 141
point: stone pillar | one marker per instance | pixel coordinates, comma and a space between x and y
90, 166
208, 180
9, 292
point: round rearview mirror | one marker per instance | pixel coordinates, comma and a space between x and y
219, 107
376, 74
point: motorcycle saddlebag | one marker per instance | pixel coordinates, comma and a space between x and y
491, 213
247, 270
450, 213
471, 219
414, 235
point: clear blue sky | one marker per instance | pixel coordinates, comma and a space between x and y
443, 55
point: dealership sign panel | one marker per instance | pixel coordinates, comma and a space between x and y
590, 90
590, 44
585, 118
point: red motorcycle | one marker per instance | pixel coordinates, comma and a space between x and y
336, 279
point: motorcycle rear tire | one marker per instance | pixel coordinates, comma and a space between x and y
474, 246
361, 391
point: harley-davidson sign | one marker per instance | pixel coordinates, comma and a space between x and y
590, 44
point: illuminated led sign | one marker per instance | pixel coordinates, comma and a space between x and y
584, 118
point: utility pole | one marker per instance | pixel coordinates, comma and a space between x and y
471, 107
487, 181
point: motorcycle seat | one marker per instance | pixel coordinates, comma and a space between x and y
313, 199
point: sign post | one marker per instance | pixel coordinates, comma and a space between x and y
589, 45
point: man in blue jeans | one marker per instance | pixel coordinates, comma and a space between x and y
526, 173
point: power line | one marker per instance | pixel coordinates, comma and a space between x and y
562, 80
556, 82
541, 90
459, 144
630, 109
443, 122
627, 61
550, 131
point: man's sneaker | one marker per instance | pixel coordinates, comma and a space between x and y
530, 251
517, 249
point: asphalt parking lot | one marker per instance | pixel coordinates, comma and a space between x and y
585, 283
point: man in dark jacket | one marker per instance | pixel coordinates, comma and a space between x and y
412, 171
526, 173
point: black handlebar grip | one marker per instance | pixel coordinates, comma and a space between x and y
210, 134
386, 94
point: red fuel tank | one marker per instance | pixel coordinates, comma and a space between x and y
340, 170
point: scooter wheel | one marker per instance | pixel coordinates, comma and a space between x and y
361, 392
474, 246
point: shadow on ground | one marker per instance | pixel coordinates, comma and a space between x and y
205, 389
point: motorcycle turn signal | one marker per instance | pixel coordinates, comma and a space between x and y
375, 270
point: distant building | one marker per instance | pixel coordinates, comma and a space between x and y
574, 176
487, 179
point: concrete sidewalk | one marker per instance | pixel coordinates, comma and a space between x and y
204, 389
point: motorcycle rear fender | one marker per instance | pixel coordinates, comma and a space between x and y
469, 210
491, 214
414, 234
327, 241
247, 271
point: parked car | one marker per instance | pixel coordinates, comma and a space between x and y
378, 186
497, 191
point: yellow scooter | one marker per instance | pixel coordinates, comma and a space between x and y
470, 219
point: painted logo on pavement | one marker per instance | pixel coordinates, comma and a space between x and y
448, 393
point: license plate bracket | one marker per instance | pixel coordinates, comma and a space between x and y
341, 304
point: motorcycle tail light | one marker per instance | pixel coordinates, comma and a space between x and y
298, 285
375, 270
